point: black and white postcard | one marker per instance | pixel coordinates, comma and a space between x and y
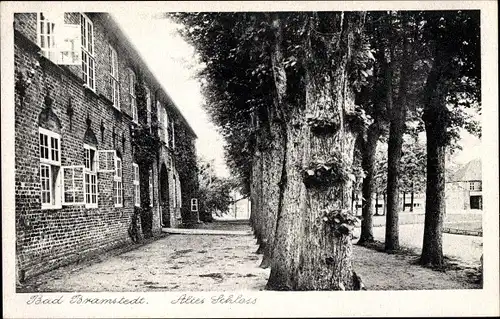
250, 159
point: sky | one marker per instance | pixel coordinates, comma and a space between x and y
172, 62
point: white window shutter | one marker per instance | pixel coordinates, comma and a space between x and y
73, 185
106, 160
69, 44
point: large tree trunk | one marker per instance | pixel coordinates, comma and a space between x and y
273, 159
369, 148
308, 255
432, 249
395, 145
436, 122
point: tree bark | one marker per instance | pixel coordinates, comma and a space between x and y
404, 201
395, 144
412, 199
436, 122
307, 254
369, 148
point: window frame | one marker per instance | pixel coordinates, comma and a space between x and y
118, 183
54, 177
132, 80
92, 172
148, 106
110, 156
136, 185
173, 134
194, 202
165, 121
39, 36
85, 52
151, 188
114, 73
73, 167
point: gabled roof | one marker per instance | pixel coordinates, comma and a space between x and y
472, 171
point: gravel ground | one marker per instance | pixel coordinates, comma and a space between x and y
214, 262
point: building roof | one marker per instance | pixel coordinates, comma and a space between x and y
132, 50
472, 171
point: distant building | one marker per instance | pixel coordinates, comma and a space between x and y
240, 207
464, 187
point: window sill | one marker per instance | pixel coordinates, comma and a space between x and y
52, 207
118, 205
91, 206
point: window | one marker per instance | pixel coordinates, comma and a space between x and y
73, 185
50, 164
163, 122
137, 195
194, 204
151, 188
90, 175
113, 78
475, 186
59, 42
106, 160
132, 98
172, 144
118, 183
148, 107
46, 36
175, 190
179, 200
88, 61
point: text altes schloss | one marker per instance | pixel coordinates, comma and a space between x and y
216, 299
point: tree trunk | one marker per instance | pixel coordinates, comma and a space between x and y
369, 148
394, 156
308, 255
432, 250
395, 145
436, 121
412, 199
385, 204
404, 201
272, 175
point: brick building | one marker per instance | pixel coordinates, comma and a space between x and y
98, 142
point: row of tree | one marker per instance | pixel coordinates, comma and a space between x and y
296, 94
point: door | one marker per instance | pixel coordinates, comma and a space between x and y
476, 202
164, 202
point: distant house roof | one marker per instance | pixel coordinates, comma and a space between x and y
469, 172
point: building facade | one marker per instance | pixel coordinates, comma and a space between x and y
100, 148
464, 190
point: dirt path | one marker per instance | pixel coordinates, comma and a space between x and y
215, 262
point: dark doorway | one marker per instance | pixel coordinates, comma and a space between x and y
164, 202
476, 202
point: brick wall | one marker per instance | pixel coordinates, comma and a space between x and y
48, 238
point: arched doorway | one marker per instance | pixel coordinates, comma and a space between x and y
164, 202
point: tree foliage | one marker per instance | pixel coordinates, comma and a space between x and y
214, 193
